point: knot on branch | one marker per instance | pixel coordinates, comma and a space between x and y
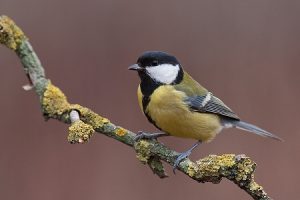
84, 122
90, 117
10, 34
55, 105
144, 154
80, 132
143, 150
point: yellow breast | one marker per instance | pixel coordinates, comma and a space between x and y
169, 112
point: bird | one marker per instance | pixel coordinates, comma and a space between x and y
179, 106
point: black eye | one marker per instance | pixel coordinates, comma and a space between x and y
154, 62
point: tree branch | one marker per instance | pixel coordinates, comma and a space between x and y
237, 168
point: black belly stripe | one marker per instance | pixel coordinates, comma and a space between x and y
148, 86
145, 102
151, 121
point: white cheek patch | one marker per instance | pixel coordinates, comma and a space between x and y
165, 73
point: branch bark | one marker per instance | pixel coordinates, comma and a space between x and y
237, 168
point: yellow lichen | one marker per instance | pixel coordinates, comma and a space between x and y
212, 164
55, 104
79, 132
54, 101
87, 115
10, 34
121, 131
255, 187
226, 160
192, 169
142, 148
245, 168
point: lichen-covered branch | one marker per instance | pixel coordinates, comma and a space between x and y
84, 122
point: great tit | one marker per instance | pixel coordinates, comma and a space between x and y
179, 106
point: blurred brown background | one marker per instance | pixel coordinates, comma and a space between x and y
245, 52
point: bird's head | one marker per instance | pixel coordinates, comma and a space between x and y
159, 67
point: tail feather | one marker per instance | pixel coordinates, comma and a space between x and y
254, 129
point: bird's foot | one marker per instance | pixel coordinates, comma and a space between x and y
144, 135
180, 158
184, 155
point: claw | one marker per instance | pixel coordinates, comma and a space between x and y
184, 155
180, 158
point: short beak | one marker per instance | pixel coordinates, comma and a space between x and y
135, 67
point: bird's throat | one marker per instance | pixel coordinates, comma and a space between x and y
147, 88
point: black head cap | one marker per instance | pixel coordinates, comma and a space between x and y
154, 58
148, 67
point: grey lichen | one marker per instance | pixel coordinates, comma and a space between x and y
157, 167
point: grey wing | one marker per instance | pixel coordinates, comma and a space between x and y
211, 104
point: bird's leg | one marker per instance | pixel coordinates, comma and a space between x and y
184, 155
144, 135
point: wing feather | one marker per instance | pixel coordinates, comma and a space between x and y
211, 104
200, 100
